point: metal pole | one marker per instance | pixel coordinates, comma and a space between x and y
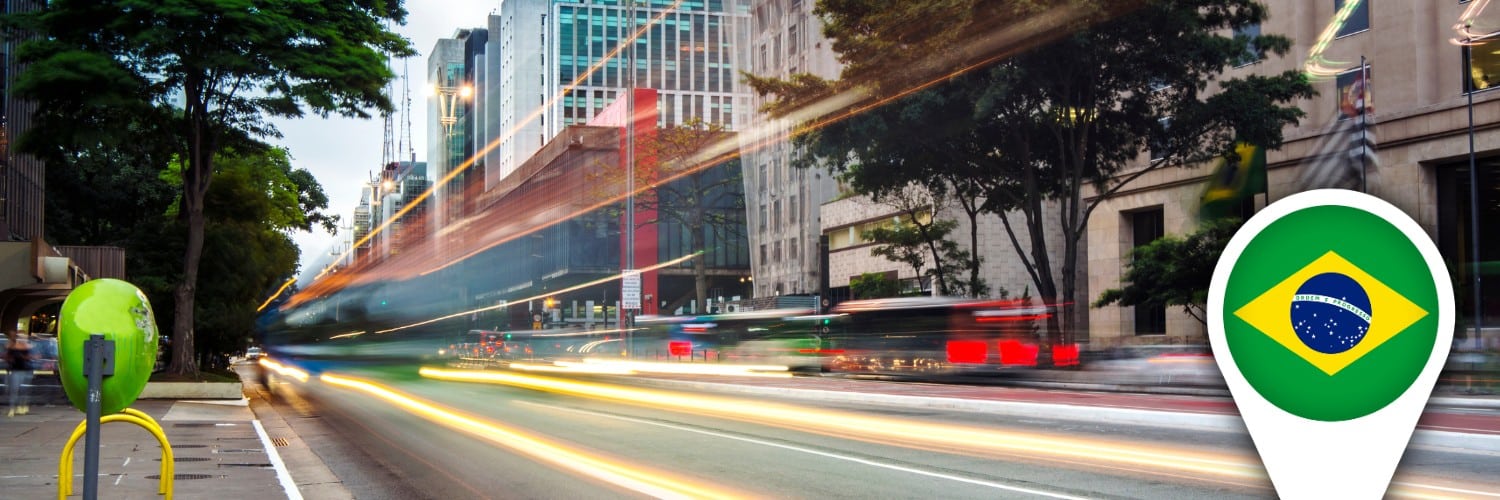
94, 361
1364, 99
1474, 218
629, 322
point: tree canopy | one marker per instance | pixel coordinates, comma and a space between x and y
1173, 271
198, 76
1046, 105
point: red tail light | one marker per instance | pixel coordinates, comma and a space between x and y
1065, 355
966, 351
679, 347
1014, 353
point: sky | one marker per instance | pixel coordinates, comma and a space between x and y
342, 152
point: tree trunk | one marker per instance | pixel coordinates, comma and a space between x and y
974, 290
700, 268
184, 357
196, 173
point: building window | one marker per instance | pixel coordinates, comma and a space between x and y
776, 251
764, 61
791, 249
762, 222
791, 210
1156, 141
1351, 91
792, 38
1358, 21
1455, 238
762, 253
1148, 226
1249, 34
1483, 65
776, 212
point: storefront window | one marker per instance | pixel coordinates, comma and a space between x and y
1456, 238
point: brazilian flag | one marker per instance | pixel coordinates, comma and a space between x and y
1237, 177
1330, 313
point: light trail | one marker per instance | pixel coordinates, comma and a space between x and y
814, 452
537, 113
1465, 26
277, 294
886, 430
615, 472
1007, 42
1318, 67
542, 296
287, 371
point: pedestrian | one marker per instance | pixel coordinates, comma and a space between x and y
18, 356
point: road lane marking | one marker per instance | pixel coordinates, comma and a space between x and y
281, 473
836, 456
623, 474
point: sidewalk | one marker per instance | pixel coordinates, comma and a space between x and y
222, 449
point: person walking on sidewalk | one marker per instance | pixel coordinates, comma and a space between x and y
18, 356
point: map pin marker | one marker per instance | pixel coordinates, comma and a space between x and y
1330, 314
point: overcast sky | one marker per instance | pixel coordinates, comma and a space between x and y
343, 152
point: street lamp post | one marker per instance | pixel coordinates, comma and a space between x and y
447, 98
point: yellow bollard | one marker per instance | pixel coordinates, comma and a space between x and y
168, 467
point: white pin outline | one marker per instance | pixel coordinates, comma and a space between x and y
1313, 459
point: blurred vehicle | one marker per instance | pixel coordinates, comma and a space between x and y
934, 336
779, 337
1171, 364
253, 353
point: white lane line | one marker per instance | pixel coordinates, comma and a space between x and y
276, 463
118, 478
1462, 491
127, 462
883, 465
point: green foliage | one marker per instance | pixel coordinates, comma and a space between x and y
1055, 97
196, 77
874, 286
1173, 271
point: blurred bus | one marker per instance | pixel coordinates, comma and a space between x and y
933, 336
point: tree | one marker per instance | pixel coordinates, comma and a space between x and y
873, 286
1173, 271
918, 238
1052, 98
693, 187
207, 73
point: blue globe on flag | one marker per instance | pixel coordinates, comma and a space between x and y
1331, 313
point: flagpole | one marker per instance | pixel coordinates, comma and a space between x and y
1474, 214
1364, 99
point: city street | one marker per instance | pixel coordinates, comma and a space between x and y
486, 440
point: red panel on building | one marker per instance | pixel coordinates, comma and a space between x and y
645, 117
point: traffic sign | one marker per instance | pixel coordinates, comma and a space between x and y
630, 289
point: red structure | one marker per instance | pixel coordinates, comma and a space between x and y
644, 117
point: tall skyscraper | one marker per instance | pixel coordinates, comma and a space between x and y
782, 201
688, 54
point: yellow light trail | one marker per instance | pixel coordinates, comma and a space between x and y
883, 430
635, 478
542, 296
1318, 67
582, 77
287, 371
277, 294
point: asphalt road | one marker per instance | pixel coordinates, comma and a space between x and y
401, 436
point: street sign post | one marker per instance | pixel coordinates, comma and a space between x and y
630, 289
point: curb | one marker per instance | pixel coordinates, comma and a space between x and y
1080, 413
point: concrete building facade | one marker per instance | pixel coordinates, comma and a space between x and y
783, 202
1420, 82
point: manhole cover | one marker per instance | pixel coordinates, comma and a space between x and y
183, 477
185, 459
244, 465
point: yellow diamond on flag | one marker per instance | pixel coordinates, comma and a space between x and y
1390, 313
